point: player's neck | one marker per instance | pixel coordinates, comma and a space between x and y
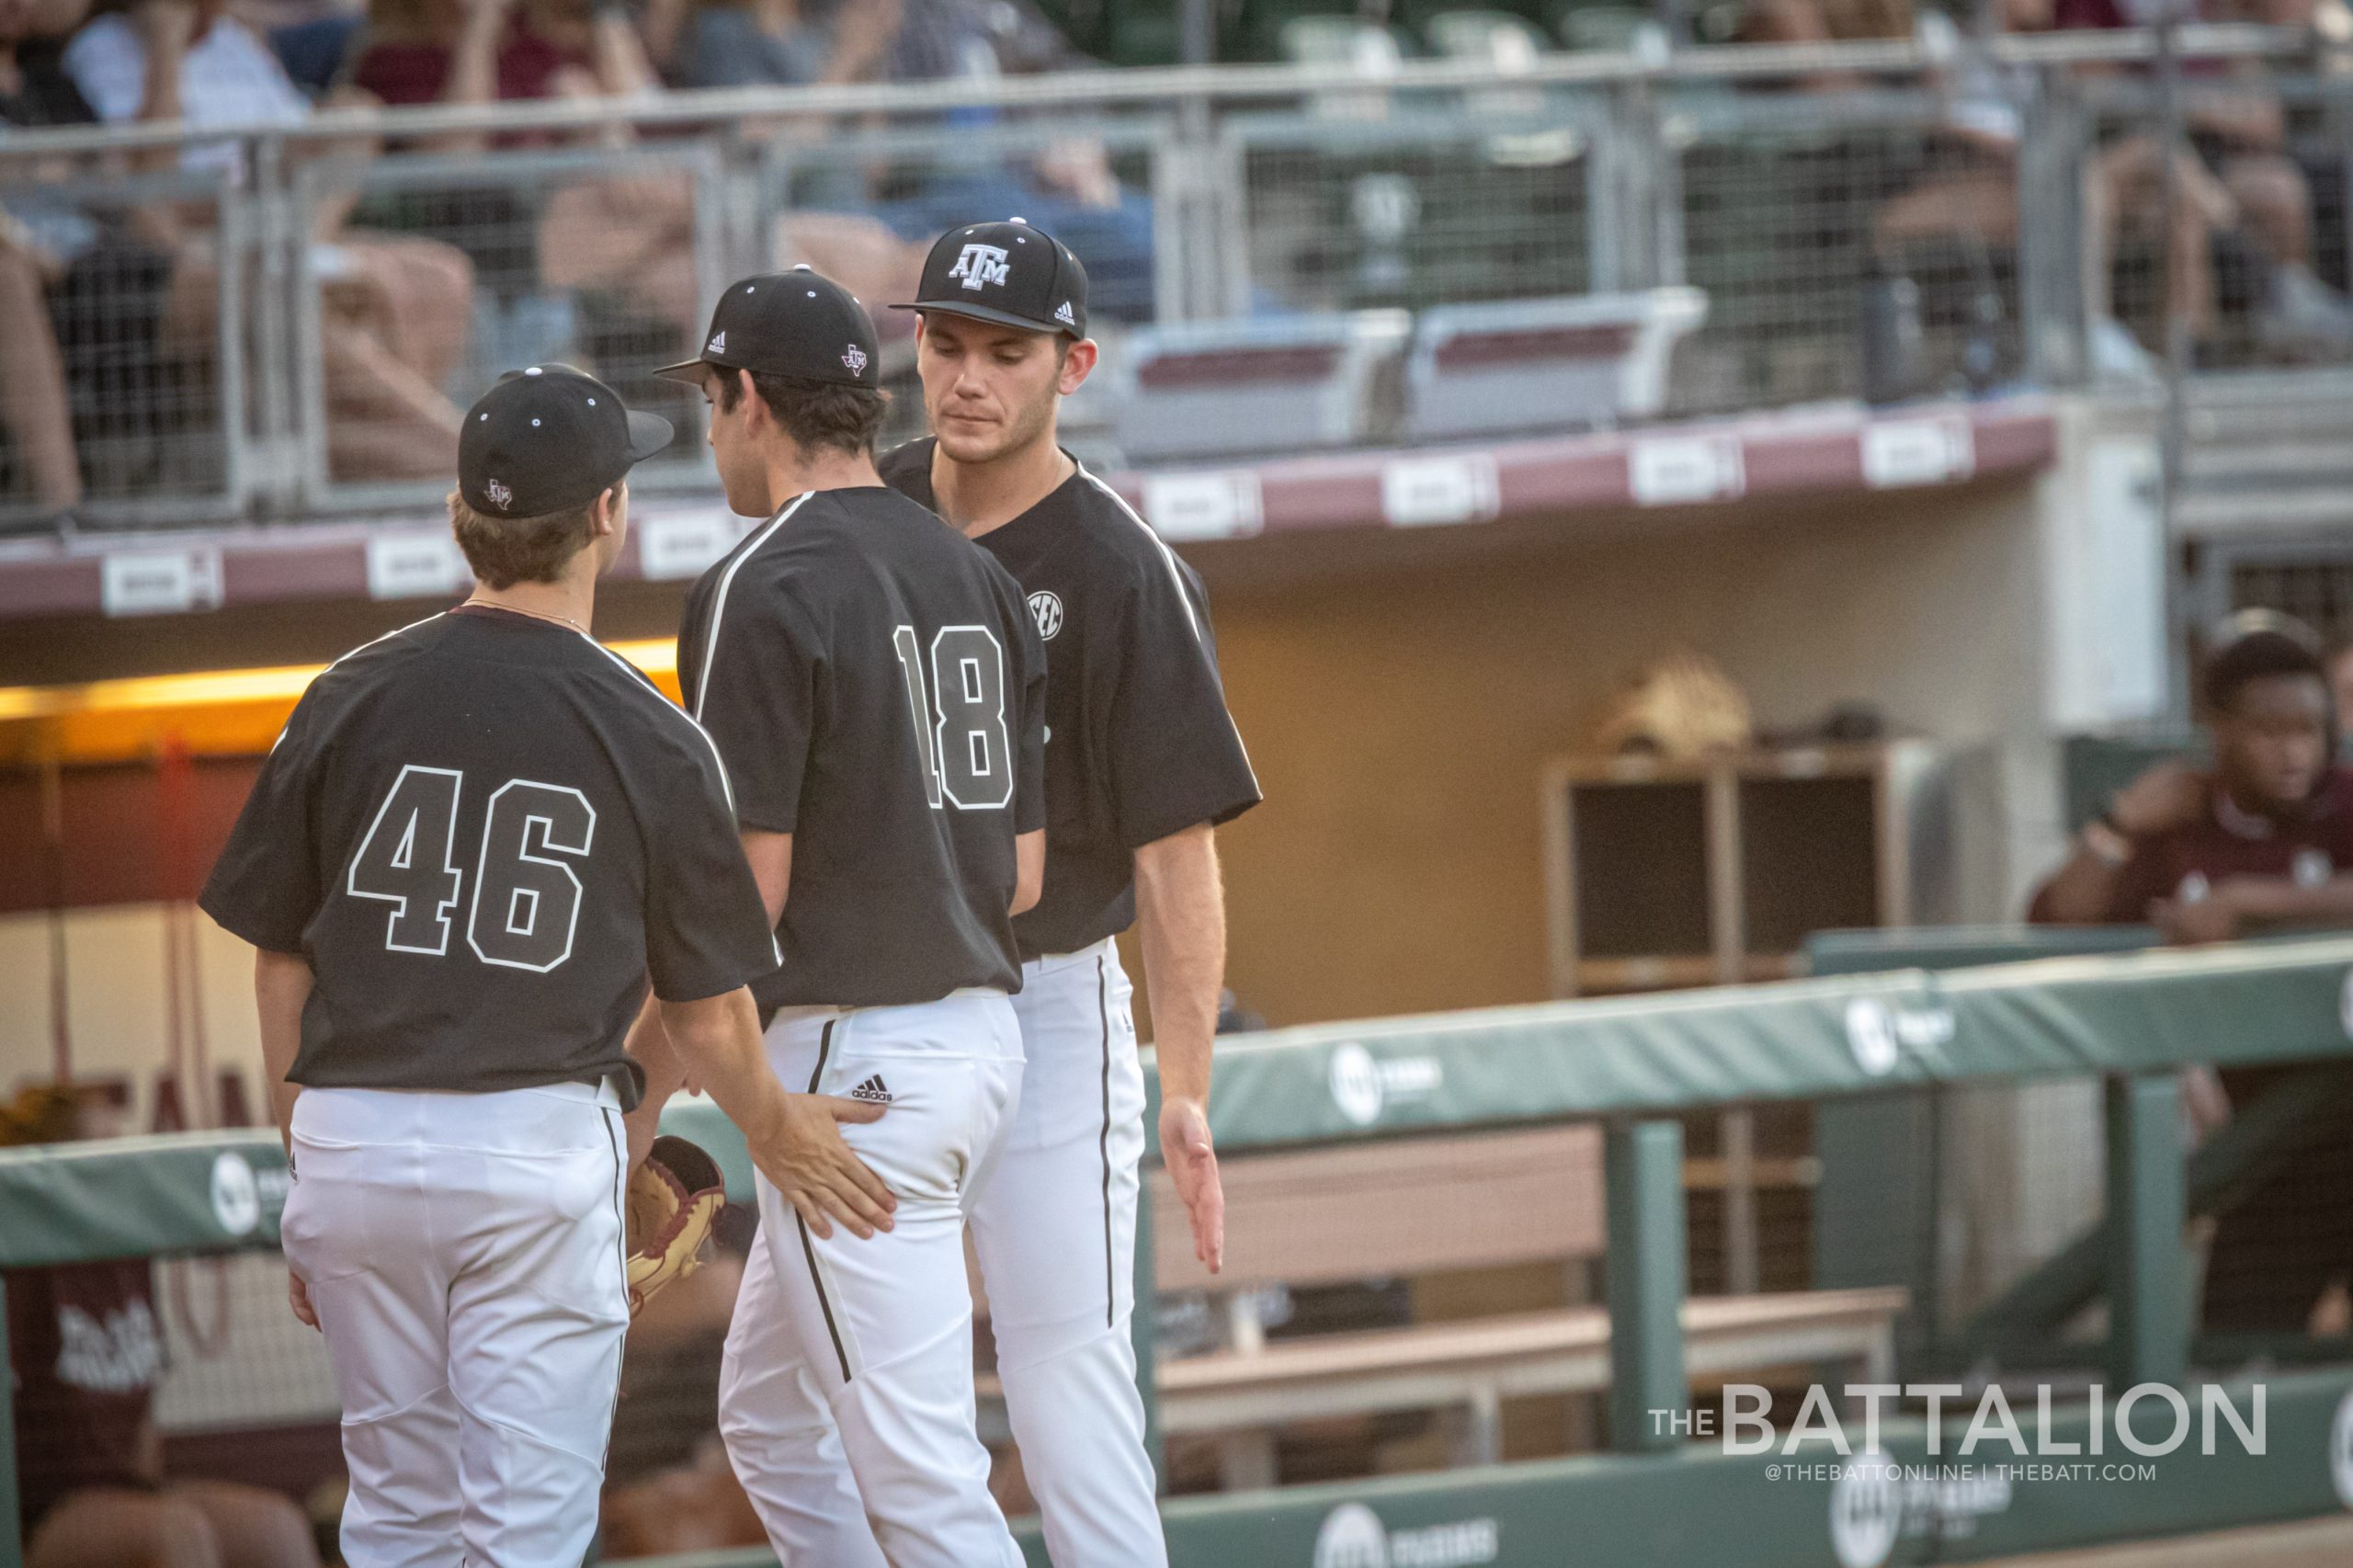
571, 599
792, 473
981, 497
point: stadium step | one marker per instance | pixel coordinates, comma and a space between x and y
2267, 452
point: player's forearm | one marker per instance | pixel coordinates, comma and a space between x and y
718, 1039
1029, 877
2281, 901
770, 854
1180, 915
281, 987
649, 1044
2078, 893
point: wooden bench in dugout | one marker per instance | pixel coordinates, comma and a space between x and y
1425, 1205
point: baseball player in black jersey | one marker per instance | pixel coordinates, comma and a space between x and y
877, 690
1141, 764
472, 844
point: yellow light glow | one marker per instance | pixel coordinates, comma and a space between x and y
213, 711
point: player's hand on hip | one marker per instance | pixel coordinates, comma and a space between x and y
815, 1170
298, 1295
1185, 1147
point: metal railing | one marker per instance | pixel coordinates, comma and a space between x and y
1881, 220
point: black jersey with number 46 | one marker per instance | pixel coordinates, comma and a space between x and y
485, 832
874, 682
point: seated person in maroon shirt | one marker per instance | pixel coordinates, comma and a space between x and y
85, 1353
2263, 842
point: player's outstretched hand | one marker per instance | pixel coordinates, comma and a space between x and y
815, 1170
299, 1294
1192, 1165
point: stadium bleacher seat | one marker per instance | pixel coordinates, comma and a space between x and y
1523, 365
1511, 45
1206, 390
1624, 28
1508, 41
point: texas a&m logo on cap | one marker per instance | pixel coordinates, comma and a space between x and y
980, 265
498, 494
855, 357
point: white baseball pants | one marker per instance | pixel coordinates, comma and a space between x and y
463, 1252
1054, 1225
1055, 1231
845, 1395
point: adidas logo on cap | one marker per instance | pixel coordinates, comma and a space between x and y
873, 1091
1064, 315
718, 343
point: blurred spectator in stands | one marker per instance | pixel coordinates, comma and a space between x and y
770, 43
480, 51
396, 307
86, 1352
2265, 841
1068, 189
2239, 252
39, 238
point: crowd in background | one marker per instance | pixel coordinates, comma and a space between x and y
414, 281
424, 290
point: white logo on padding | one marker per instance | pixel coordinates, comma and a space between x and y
1352, 1536
1065, 316
1865, 1511
980, 265
1871, 1035
1048, 609
718, 343
1356, 1084
855, 357
237, 1200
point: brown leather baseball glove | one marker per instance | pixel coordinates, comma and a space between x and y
674, 1199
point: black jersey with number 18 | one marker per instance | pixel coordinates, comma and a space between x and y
878, 691
485, 832
1139, 743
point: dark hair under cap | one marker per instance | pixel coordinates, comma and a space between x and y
2253, 645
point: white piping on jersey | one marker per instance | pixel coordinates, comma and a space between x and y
1177, 581
726, 581
717, 761
349, 653
669, 707
1167, 556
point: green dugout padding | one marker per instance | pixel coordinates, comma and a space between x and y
1626, 1060
1875, 1208
1332, 1083
1699, 1506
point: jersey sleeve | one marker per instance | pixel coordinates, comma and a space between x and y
1172, 754
706, 930
756, 695
267, 885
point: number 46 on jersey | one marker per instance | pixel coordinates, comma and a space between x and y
525, 901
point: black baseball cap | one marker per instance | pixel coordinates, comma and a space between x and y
548, 438
787, 323
1009, 274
